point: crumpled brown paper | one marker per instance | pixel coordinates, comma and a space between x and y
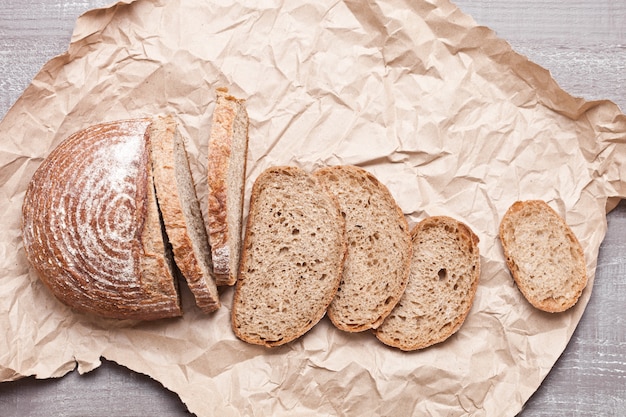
439, 109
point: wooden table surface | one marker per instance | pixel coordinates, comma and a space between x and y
582, 43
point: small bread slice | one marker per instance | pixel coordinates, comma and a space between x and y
292, 258
445, 269
226, 176
91, 228
544, 256
379, 249
180, 210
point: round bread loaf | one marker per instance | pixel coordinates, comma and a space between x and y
91, 227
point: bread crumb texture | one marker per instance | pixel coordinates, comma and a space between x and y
544, 256
292, 258
376, 269
444, 274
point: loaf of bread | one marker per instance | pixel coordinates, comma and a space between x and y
226, 175
376, 269
544, 256
91, 227
292, 258
444, 274
180, 211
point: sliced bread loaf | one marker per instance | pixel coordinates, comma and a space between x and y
91, 227
180, 210
376, 269
292, 258
544, 256
444, 274
226, 171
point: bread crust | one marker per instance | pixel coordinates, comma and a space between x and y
90, 225
445, 272
293, 290
227, 154
369, 288
192, 257
549, 284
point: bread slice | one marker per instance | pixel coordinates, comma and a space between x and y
544, 256
445, 270
226, 176
379, 249
91, 229
292, 258
180, 210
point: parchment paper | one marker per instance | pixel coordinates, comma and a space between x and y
442, 111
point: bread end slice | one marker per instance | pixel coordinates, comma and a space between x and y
227, 154
544, 256
444, 275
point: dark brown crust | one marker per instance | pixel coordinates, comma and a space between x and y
227, 110
85, 226
554, 302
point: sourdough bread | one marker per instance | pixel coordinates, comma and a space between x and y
91, 228
292, 258
376, 269
444, 274
180, 210
226, 170
544, 256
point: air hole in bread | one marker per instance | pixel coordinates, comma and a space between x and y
442, 274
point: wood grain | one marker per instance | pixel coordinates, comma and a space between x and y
582, 43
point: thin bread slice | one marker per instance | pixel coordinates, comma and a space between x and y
228, 148
292, 258
379, 249
445, 269
91, 227
544, 256
180, 210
